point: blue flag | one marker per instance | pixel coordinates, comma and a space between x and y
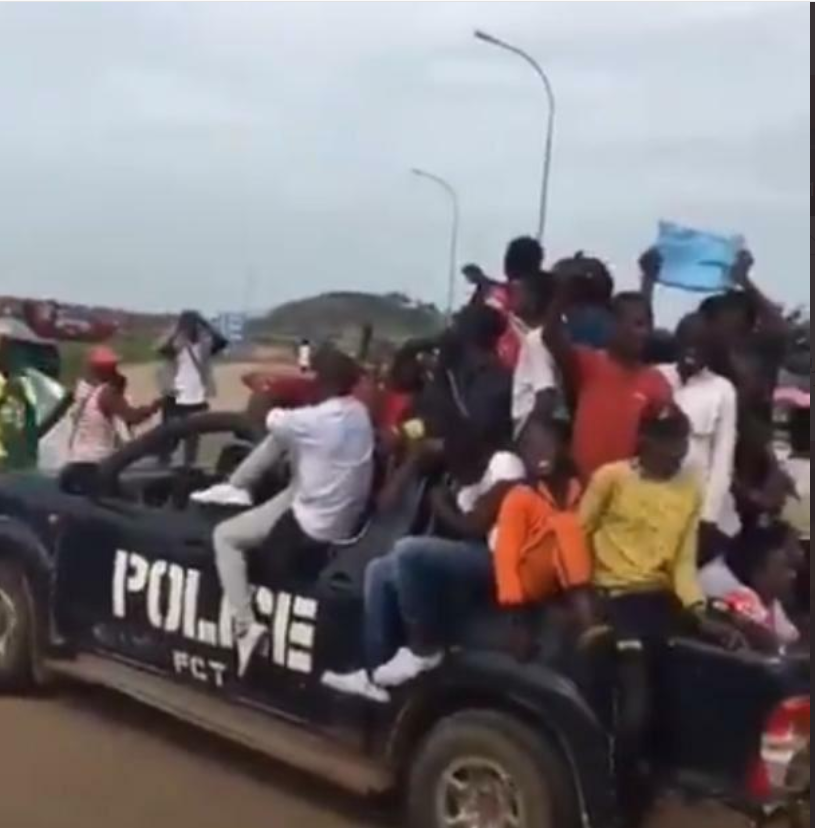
695, 260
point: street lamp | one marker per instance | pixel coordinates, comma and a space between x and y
454, 202
550, 130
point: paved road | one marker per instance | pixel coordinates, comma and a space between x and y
86, 759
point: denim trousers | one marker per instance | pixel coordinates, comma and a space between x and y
410, 592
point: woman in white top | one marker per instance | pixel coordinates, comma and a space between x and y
186, 380
710, 403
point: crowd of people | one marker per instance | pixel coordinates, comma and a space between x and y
587, 458
632, 478
579, 456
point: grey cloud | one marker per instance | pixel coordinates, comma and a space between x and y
155, 153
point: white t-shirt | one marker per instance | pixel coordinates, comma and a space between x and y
504, 467
332, 447
191, 372
536, 372
710, 403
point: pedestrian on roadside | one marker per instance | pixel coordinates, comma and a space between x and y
186, 379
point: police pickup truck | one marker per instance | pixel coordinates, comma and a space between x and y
109, 579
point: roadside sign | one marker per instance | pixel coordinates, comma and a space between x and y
232, 327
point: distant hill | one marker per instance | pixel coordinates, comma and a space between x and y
341, 316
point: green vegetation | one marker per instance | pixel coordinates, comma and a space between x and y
340, 317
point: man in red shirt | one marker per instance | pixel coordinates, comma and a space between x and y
613, 389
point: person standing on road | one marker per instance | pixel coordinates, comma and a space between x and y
186, 378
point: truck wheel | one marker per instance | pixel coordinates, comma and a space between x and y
488, 770
16, 629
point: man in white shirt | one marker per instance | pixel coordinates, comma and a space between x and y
710, 403
535, 381
408, 588
331, 450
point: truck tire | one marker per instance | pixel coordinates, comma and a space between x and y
16, 629
487, 768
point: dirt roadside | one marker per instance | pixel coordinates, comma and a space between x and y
83, 758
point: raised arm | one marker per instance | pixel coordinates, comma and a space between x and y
114, 405
218, 343
557, 340
770, 316
650, 269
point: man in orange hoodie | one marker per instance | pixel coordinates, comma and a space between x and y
541, 551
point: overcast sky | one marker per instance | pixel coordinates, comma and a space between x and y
157, 155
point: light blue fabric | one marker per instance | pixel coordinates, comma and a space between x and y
696, 261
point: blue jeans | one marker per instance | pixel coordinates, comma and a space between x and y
411, 589
383, 628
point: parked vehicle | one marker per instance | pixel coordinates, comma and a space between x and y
112, 582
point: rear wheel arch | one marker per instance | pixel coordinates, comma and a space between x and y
417, 723
480, 745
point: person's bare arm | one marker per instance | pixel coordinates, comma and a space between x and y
218, 343
114, 405
650, 268
167, 345
557, 340
771, 316
472, 525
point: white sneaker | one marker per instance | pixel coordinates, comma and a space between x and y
224, 494
406, 666
356, 684
247, 644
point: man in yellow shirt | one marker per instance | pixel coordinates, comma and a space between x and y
642, 518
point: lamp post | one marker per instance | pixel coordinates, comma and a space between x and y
491, 40
451, 193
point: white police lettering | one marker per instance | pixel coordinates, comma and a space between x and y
166, 596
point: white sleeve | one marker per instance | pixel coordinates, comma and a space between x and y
521, 384
544, 371
291, 426
724, 456
506, 468
536, 372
